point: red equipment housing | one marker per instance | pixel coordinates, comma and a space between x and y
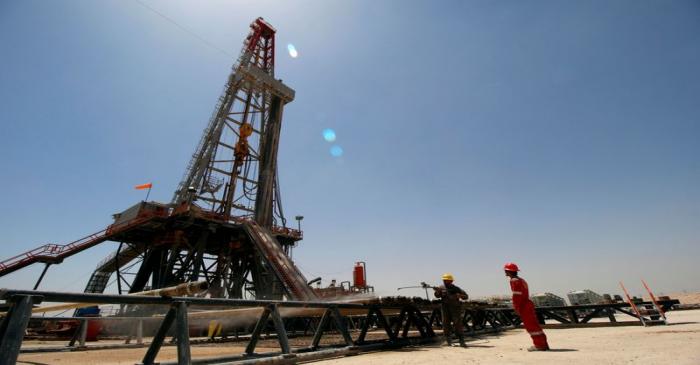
359, 275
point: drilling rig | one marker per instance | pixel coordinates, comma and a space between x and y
225, 224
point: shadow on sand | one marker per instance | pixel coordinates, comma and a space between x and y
679, 323
562, 350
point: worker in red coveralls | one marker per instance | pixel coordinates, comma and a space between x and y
525, 308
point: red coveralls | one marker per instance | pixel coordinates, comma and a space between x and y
526, 310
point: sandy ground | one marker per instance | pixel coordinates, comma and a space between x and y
677, 343
686, 298
127, 356
167, 353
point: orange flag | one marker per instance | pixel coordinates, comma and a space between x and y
143, 186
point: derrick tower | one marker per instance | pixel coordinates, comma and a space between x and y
225, 222
234, 169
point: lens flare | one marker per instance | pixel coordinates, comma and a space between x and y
336, 151
292, 50
329, 135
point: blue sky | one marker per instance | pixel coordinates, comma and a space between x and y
563, 136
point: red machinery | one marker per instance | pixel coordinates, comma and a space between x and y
359, 275
346, 288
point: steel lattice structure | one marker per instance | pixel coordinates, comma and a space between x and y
233, 171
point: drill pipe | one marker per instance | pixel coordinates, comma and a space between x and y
188, 288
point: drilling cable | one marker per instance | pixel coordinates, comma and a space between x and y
184, 29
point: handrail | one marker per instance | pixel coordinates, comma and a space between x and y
51, 251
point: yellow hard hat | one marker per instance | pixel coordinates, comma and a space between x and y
448, 276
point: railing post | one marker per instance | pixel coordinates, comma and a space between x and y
83, 332
157, 342
13, 327
182, 330
80, 334
139, 332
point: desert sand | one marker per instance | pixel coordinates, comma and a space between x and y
678, 343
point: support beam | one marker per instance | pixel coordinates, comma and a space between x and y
41, 277
116, 268
262, 322
325, 319
80, 334
182, 334
590, 315
268, 164
423, 327
407, 324
399, 322
150, 356
385, 324
13, 327
369, 319
341, 325
279, 328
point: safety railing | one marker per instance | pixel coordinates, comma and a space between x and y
398, 325
52, 252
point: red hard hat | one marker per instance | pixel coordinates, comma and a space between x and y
510, 267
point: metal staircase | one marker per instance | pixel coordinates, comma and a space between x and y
291, 277
54, 254
100, 278
648, 315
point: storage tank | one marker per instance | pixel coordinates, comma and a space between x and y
359, 275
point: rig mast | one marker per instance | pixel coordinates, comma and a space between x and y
234, 169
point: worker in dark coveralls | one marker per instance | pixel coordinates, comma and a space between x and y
451, 296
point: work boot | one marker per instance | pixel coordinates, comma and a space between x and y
533, 348
461, 340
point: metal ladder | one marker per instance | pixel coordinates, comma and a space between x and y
647, 316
